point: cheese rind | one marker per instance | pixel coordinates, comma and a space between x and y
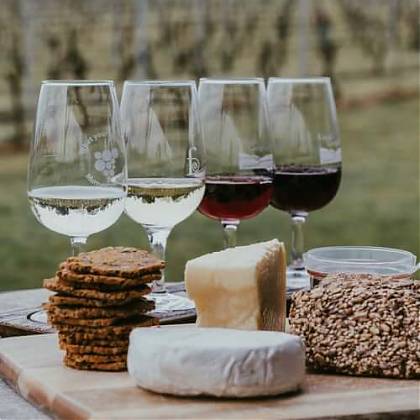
241, 288
215, 361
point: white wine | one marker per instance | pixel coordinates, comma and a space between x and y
163, 202
77, 211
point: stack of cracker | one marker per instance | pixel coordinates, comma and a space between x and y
100, 299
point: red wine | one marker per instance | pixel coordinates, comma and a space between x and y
235, 198
303, 188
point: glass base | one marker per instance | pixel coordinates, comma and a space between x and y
297, 279
168, 302
40, 316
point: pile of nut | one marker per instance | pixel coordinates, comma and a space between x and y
360, 324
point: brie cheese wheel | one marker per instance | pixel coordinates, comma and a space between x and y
241, 288
215, 361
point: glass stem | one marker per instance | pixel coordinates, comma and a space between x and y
158, 239
229, 228
77, 244
298, 220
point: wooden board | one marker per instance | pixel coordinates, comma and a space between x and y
19, 311
33, 365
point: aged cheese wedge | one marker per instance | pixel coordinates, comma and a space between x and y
241, 288
215, 361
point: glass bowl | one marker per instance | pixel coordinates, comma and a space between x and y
320, 262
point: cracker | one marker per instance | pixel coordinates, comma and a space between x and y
125, 311
80, 349
56, 285
92, 334
58, 320
95, 280
111, 367
98, 287
90, 303
96, 358
78, 356
75, 339
115, 261
107, 332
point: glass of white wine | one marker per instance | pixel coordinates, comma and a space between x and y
77, 168
166, 164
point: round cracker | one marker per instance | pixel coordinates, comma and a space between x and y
90, 303
75, 339
97, 281
99, 350
111, 367
96, 358
88, 333
91, 313
56, 320
56, 285
115, 261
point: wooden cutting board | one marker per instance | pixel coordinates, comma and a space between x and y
33, 365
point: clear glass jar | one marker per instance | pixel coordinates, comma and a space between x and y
397, 263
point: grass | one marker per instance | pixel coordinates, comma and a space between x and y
377, 204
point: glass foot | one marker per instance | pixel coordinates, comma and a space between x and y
297, 279
39, 316
168, 302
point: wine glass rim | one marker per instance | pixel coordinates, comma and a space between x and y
161, 82
313, 254
232, 80
81, 82
318, 79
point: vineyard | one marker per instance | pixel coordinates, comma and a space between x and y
369, 48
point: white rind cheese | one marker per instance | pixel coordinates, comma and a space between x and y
241, 288
215, 361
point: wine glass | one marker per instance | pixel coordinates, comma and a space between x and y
166, 164
239, 159
77, 167
307, 156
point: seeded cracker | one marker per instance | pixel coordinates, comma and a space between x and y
109, 281
57, 321
96, 358
107, 332
75, 339
100, 287
55, 285
79, 349
92, 336
60, 299
116, 312
83, 365
115, 261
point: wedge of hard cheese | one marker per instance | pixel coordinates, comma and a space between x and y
241, 288
184, 360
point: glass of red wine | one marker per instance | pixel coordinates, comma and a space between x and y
239, 158
307, 156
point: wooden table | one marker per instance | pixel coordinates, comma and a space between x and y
377, 398
13, 406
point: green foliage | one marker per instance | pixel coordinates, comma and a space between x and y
377, 204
